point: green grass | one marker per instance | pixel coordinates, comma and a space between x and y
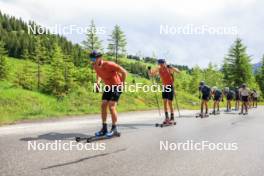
17, 104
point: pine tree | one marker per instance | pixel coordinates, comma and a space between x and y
3, 64
213, 77
92, 41
56, 81
69, 74
237, 68
24, 76
117, 42
25, 54
197, 77
39, 58
226, 71
260, 77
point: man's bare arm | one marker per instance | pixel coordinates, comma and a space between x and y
98, 79
153, 72
123, 73
174, 70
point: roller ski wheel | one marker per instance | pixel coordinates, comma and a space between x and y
77, 139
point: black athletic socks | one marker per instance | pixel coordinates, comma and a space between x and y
166, 115
172, 116
104, 127
113, 127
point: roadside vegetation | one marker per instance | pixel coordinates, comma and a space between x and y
45, 75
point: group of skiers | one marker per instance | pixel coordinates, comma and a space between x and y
113, 75
241, 94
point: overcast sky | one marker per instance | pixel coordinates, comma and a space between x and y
141, 20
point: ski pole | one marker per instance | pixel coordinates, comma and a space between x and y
156, 96
177, 105
176, 101
157, 99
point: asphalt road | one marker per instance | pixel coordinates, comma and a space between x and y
137, 151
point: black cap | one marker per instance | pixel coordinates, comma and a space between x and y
95, 54
161, 61
202, 83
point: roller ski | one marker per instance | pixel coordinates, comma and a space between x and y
202, 115
79, 139
229, 111
166, 123
100, 135
214, 113
243, 113
96, 138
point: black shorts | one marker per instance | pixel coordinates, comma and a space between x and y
255, 99
217, 98
112, 95
244, 98
237, 98
206, 97
168, 93
229, 97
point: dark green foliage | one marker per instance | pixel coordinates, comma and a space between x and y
56, 80
150, 60
3, 65
212, 76
21, 41
196, 76
237, 68
260, 77
62, 74
117, 43
69, 74
84, 76
133, 57
40, 58
182, 67
25, 77
92, 41
137, 68
25, 54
